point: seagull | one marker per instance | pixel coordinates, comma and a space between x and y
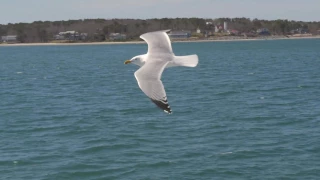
152, 64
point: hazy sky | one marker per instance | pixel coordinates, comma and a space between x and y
13, 11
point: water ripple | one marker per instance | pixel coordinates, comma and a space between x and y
248, 111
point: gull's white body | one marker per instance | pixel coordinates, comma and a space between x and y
159, 57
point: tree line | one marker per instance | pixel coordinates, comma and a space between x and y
98, 29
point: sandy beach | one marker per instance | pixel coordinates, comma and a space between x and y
219, 39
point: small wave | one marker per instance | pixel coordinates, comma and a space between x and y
224, 153
226, 93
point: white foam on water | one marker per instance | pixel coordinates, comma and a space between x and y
226, 153
19, 72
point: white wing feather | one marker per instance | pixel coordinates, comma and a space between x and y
149, 81
158, 42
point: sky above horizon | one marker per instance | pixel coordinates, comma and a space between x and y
14, 11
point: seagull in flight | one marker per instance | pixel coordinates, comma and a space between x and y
152, 64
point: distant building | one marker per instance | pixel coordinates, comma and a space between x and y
225, 26
233, 32
83, 36
9, 39
299, 31
117, 36
198, 30
216, 29
71, 35
59, 37
263, 31
179, 34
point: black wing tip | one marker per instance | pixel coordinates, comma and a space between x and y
163, 104
168, 112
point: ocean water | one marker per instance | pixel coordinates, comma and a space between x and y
249, 110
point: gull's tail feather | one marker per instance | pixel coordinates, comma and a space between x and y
188, 61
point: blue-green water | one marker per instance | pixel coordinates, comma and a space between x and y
249, 110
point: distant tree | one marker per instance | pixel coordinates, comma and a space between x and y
313, 28
100, 21
305, 26
3, 31
137, 25
257, 23
43, 35
99, 35
295, 25
56, 23
186, 23
43, 31
166, 23
125, 28
144, 24
20, 30
21, 36
105, 29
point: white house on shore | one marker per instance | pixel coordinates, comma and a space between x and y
9, 39
198, 30
71, 35
117, 36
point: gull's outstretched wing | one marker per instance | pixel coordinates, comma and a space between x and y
158, 42
149, 81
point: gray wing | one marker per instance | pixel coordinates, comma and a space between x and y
158, 42
149, 81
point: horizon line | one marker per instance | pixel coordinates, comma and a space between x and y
154, 18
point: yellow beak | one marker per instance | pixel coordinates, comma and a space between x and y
127, 62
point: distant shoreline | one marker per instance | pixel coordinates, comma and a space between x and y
220, 39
